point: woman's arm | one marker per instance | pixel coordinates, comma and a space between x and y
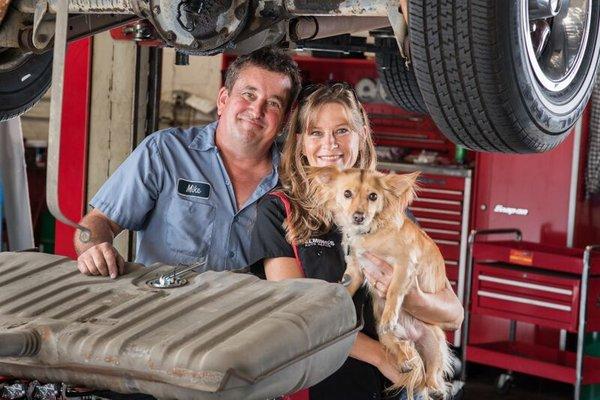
441, 308
280, 268
371, 351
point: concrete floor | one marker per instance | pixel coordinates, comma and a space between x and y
481, 386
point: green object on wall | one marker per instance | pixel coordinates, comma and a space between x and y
47, 223
591, 347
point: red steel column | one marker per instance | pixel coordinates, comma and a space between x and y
73, 143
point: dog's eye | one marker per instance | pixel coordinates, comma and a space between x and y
373, 196
347, 194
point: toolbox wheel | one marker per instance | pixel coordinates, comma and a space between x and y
504, 382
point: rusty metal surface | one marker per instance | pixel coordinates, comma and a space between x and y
98, 6
224, 335
3, 8
363, 8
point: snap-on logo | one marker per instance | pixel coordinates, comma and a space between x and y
196, 189
510, 210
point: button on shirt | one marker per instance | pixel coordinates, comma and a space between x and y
174, 190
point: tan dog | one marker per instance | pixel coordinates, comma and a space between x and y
369, 207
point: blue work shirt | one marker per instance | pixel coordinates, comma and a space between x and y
175, 192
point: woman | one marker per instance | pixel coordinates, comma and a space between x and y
330, 127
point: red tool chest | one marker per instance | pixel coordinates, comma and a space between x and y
549, 286
442, 210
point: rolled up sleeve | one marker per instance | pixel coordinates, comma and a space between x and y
130, 193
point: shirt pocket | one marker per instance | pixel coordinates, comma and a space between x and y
190, 224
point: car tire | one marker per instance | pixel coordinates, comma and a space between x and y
397, 78
483, 86
24, 78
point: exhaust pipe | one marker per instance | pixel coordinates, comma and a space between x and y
19, 344
309, 28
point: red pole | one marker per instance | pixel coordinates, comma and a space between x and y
74, 139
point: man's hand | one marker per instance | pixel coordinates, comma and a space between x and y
101, 259
98, 256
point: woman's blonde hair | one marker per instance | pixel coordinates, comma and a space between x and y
305, 220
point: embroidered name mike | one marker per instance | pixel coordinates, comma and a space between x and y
190, 188
193, 189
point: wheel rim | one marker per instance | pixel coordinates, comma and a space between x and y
556, 33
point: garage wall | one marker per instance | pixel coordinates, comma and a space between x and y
35, 121
201, 79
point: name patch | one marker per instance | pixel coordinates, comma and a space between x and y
196, 189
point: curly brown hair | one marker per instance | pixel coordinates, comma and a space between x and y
306, 220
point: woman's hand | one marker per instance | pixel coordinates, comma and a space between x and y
378, 273
442, 308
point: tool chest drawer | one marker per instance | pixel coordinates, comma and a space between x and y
523, 294
552, 287
536, 255
441, 207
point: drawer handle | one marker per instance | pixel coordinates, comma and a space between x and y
535, 286
439, 201
442, 231
434, 210
444, 191
484, 293
451, 242
438, 221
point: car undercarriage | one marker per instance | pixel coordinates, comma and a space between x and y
493, 75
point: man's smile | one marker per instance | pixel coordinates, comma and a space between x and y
251, 121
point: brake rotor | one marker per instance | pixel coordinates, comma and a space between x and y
201, 27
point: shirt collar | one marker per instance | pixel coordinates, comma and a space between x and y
205, 140
275, 156
205, 137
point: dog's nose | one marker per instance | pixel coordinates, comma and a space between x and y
358, 218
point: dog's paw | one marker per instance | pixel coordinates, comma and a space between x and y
408, 365
405, 367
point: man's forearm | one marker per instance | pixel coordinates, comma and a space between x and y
100, 229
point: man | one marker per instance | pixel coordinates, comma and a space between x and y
192, 193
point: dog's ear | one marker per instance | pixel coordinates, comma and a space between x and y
323, 175
402, 186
